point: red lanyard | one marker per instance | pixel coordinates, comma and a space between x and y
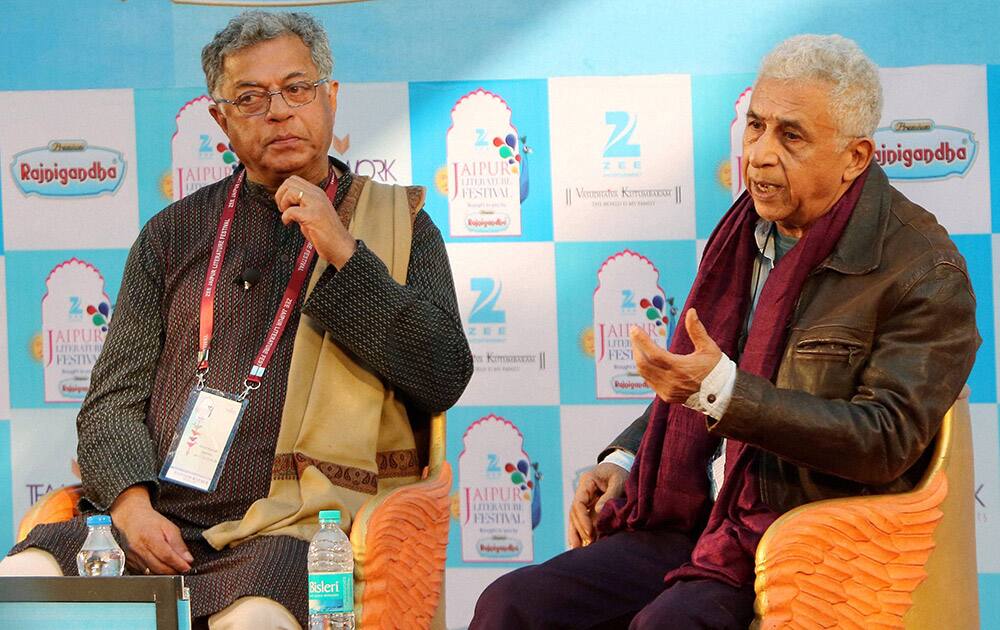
288, 300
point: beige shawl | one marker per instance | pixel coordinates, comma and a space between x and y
344, 436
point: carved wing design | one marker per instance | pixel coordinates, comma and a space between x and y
848, 563
400, 554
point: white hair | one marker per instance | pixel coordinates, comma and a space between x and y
855, 88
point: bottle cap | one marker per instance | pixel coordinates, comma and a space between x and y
329, 516
98, 519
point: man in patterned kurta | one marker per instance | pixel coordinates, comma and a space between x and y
268, 74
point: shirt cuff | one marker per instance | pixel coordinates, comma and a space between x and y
620, 458
716, 390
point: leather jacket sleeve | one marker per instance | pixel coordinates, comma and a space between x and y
921, 354
631, 437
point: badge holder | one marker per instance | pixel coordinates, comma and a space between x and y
204, 435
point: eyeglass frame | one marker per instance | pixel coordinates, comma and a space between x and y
270, 96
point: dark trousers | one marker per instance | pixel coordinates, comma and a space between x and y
617, 582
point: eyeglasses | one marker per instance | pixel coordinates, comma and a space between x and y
257, 102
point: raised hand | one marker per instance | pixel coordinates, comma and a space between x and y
674, 377
307, 204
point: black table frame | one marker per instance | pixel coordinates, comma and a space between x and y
162, 590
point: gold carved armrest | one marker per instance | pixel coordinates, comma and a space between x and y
847, 563
889, 561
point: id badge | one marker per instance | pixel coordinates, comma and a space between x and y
202, 439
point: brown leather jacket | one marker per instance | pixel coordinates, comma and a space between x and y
881, 342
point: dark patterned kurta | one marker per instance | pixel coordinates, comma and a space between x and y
410, 335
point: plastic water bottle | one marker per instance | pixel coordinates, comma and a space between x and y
331, 576
100, 555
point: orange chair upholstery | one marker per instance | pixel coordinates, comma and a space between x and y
399, 537
54, 506
891, 561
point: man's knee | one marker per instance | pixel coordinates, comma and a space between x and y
32, 561
501, 594
253, 612
505, 599
668, 614
698, 604
649, 619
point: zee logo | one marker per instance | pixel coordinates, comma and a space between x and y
484, 311
628, 301
492, 466
621, 155
486, 321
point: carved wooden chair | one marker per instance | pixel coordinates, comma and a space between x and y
399, 537
891, 561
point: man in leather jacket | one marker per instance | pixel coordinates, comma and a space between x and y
872, 348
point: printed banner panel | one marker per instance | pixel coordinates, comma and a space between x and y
603, 289
622, 158
64, 300
506, 504
506, 295
586, 431
993, 107
71, 170
510, 166
485, 147
934, 143
463, 588
4, 366
8, 517
995, 290
977, 249
718, 113
178, 146
34, 432
986, 456
372, 131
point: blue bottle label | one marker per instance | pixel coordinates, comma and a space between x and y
331, 593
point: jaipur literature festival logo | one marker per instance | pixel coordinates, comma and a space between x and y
627, 294
499, 502
200, 152
75, 315
919, 149
68, 168
484, 168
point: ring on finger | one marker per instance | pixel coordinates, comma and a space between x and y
146, 571
300, 196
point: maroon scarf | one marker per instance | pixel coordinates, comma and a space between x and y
668, 487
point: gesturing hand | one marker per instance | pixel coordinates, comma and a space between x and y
151, 541
599, 484
674, 377
307, 204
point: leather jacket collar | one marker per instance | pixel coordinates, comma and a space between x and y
860, 248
